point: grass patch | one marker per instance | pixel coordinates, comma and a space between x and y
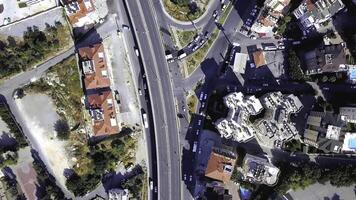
62, 84
97, 160
36, 47
196, 58
192, 102
182, 12
185, 37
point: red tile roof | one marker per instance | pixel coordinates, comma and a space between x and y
99, 78
81, 12
105, 103
259, 58
220, 167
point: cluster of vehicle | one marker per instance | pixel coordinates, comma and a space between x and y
253, 14
273, 47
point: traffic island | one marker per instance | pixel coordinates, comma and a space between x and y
185, 11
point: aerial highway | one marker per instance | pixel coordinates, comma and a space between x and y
161, 96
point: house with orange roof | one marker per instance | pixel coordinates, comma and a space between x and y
259, 58
220, 165
78, 10
93, 63
103, 114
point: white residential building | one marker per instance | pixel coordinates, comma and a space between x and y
313, 14
237, 125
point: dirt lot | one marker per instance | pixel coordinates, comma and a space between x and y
39, 114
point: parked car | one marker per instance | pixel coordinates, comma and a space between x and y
201, 96
205, 96
125, 27
215, 13
117, 97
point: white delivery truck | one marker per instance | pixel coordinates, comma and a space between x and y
145, 122
183, 55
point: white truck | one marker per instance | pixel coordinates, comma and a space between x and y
183, 55
169, 56
145, 122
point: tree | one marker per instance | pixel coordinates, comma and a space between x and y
62, 128
294, 71
181, 2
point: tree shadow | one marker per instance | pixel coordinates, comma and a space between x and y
115, 180
7, 143
61, 126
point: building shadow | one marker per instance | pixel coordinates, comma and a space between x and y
113, 180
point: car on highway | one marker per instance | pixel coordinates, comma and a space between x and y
191, 178
137, 52
139, 91
144, 119
156, 189
183, 108
185, 177
195, 47
196, 38
197, 132
199, 122
151, 185
206, 34
202, 41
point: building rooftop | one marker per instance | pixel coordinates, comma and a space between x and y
237, 125
277, 125
94, 67
220, 165
240, 62
118, 194
103, 113
259, 170
269, 16
326, 58
259, 58
77, 9
348, 114
313, 12
323, 131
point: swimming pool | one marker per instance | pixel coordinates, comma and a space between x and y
352, 143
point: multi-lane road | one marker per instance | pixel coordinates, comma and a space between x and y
161, 96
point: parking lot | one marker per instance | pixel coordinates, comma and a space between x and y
49, 17
12, 11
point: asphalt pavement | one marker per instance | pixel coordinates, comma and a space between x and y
161, 96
